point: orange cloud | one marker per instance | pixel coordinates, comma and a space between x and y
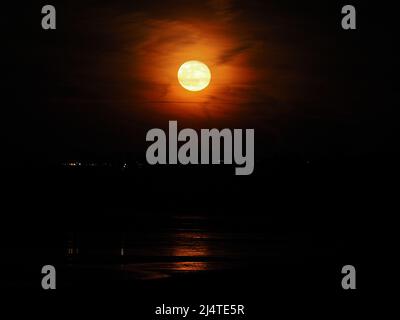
169, 43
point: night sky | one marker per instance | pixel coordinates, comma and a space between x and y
107, 75
322, 101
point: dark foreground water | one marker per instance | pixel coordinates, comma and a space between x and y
187, 244
133, 244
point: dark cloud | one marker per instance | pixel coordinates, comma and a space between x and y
232, 53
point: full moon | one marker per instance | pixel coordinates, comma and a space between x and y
194, 75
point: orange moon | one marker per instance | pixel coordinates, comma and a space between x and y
194, 75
